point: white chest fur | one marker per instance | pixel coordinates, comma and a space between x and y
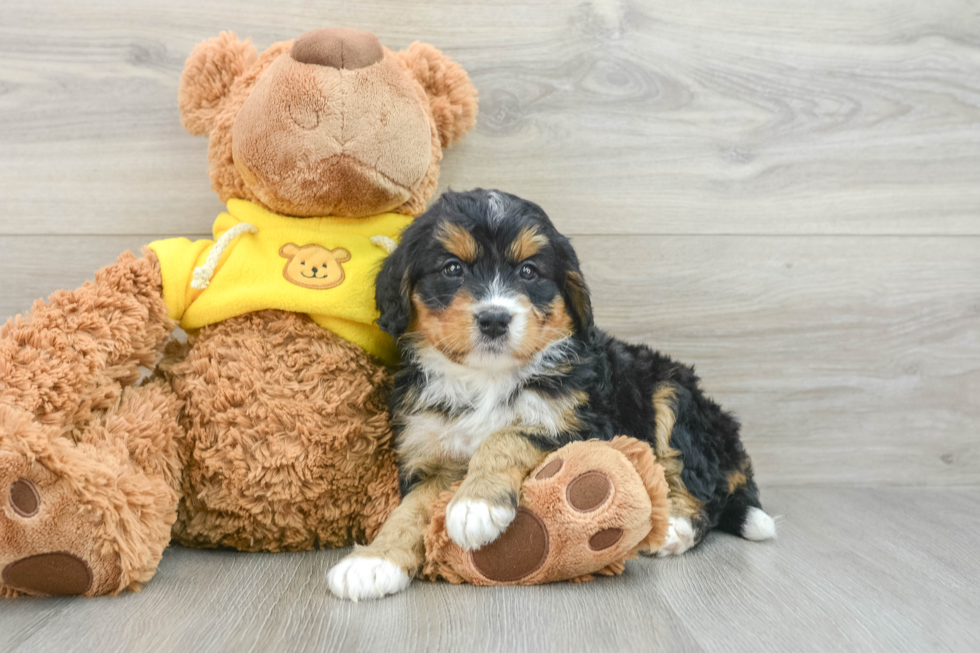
478, 402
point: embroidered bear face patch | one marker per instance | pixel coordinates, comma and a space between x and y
314, 266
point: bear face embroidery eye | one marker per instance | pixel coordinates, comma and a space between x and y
529, 272
453, 269
302, 262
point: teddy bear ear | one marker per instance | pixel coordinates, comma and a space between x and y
452, 96
209, 73
340, 255
288, 250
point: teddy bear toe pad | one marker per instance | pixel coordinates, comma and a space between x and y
588, 491
24, 498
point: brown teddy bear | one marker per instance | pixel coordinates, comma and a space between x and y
268, 429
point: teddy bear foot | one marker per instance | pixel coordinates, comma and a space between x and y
585, 510
47, 541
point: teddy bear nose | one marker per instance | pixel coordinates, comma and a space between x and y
338, 47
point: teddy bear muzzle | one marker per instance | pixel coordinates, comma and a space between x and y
338, 47
312, 139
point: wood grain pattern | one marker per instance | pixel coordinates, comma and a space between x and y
848, 360
852, 570
623, 117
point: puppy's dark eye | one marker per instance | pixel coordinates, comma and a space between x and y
453, 269
529, 272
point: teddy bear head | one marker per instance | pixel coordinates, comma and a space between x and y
333, 123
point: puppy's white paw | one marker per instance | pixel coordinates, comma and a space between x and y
758, 525
357, 578
680, 538
473, 524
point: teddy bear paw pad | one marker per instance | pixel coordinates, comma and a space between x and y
46, 546
592, 508
51, 574
585, 510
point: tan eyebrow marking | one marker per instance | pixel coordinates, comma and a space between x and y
528, 243
458, 241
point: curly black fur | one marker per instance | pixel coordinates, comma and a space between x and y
612, 384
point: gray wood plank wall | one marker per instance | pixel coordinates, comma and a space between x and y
785, 194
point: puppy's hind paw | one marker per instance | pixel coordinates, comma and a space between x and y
758, 525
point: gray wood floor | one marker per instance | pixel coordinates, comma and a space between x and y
786, 194
853, 570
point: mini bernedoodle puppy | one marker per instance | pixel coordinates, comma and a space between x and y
501, 365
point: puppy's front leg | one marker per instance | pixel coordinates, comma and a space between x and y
486, 502
387, 565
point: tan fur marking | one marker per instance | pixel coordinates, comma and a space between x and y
499, 466
528, 243
458, 242
579, 294
543, 328
417, 459
450, 330
682, 502
735, 481
401, 538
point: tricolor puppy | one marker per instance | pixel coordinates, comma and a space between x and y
501, 365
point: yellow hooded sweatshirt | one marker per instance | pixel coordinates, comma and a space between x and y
324, 267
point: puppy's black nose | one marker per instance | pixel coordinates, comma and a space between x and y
493, 323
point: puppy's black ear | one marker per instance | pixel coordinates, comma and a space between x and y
575, 291
392, 293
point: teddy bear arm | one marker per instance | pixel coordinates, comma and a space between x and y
89, 513
73, 353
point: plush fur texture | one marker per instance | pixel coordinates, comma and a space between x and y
291, 447
632, 519
104, 459
585, 510
311, 140
497, 336
265, 432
